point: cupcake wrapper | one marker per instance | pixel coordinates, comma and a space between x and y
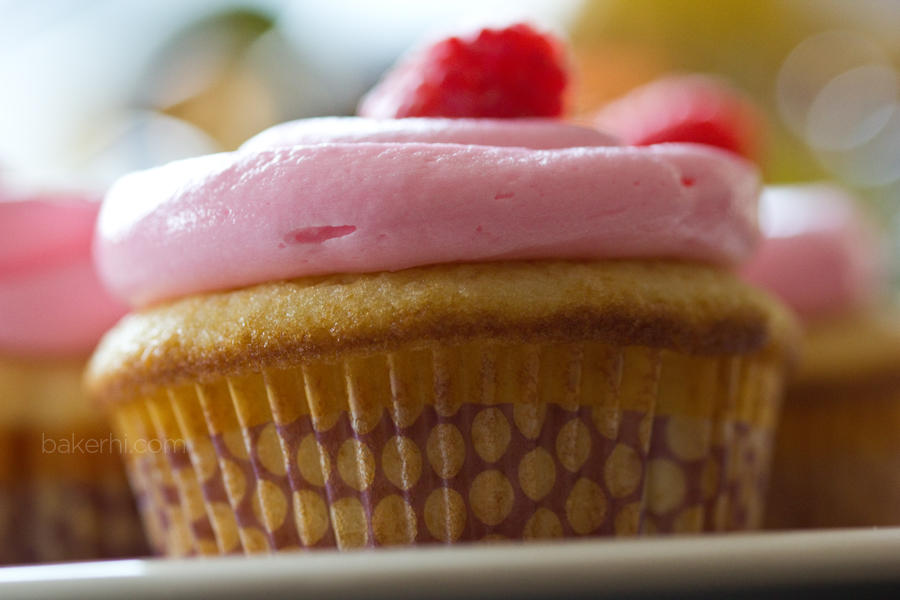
838, 457
58, 506
437, 444
63, 489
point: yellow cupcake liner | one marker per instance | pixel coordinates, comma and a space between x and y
838, 458
837, 451
63, 491
441, 444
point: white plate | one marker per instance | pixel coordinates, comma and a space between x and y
751, 563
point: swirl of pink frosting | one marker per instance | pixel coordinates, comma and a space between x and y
819, 253
51, 300
356, 195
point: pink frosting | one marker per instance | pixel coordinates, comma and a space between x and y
526, 133
51, 301
819, 253
298, 200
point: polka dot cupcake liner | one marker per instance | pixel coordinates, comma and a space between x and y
64, 494
435, 444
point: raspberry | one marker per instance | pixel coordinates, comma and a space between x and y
501, 73
690, 108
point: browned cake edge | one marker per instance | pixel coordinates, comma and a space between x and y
689, 308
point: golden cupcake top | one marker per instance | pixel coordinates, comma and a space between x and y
695, 309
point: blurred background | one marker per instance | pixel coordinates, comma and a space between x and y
90, 89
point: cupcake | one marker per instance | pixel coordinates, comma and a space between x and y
63, 492
837, 450
372, 332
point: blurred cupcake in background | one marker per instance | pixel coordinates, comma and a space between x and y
837, 458
63, 491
